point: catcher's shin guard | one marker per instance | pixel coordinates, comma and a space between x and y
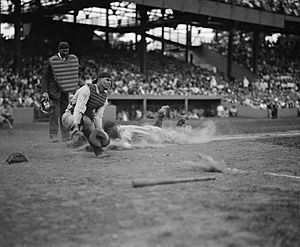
87, 126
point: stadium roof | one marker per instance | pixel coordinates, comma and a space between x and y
202, 13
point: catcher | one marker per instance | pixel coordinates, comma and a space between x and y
83, 117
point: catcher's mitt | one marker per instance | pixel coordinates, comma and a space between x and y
16, 158
98, 139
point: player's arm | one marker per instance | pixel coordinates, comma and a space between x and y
83, 95
72, 101
99, 115
46, 77
161, 114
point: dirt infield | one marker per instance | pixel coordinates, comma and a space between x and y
63, 197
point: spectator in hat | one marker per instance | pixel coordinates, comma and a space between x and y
233, 111
85, 111
220, 110
59, 80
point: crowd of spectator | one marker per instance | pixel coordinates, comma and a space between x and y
288, 7
275, 56
166, 76
278, 70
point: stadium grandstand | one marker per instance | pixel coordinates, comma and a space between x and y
157, 53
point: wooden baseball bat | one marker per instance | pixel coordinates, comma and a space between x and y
151, 182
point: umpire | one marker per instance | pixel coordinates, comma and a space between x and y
59, 79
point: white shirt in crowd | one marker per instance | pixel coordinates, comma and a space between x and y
245, 82
213, 82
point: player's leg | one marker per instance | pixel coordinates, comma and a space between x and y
11, 119
1, 120
77, 137
87, 126
63, 106
10, 122
53, 121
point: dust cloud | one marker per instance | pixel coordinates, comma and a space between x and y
187, 135
203, 163
179, 135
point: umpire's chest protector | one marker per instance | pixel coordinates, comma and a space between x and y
65, 72
95, 101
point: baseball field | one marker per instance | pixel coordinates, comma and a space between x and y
67, 197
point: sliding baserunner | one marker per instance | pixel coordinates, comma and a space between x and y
124, 136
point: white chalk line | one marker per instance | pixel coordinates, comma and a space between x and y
281, 175
238, 171
255, 135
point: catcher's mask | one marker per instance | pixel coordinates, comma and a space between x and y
46, 106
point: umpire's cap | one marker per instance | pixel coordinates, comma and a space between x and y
63, 45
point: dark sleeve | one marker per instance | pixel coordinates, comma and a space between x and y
46, 74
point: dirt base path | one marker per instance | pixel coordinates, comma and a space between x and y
63, 197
